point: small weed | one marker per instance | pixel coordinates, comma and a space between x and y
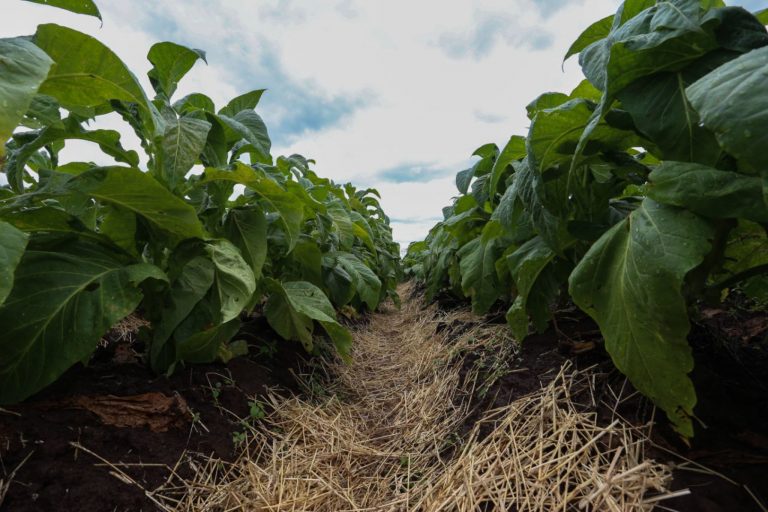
267, 348
256, 410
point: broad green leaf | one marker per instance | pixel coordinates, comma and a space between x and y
362, 231
194, 101
337, 281
190, 287
86, 73
170, 63
86, 7
43, 111
631, 8
119, 224
664, 37
182, 143
64, 299
595, 32
708, 192
211, 287
630, 282
309, 258
513, 217
661, 110
746, 248
587, 91
234, 282
463, 178
247, 101
478, 268
23, 67
526, 264
247, 125
546, 101
365, 281
739, 30
514, 150
247, 229
489, 150
48, 219
762, 16
12, 245
555, 133
108, 141
732, 102
133, 190
342, 224
291, 308
529, 189
274, 198
206, 346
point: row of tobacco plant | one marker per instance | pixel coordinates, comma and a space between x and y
84, 245
640, 194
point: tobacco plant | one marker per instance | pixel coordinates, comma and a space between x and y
640, 194
84, 245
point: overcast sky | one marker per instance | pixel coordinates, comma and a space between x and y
392, 94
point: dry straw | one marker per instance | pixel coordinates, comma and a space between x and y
380, 434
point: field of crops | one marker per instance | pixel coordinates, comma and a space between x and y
640, 199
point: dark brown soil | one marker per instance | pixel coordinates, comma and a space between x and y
731, 358
199, 409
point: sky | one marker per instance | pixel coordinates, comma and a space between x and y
390, 94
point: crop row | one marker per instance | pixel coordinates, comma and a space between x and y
640, 194
82, 245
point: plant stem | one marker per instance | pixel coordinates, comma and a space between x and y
741, 276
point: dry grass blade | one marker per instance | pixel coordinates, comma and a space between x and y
5, 484
382, 436
544, 454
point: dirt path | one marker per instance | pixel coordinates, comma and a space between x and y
381, 434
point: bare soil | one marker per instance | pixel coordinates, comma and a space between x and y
54, 437
198, 409
730, 348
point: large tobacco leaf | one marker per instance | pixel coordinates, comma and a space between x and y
211, 285
23, 67
137, 191
12, 245
732, 103
192, 283
170, 63
182, 143
364, 280
595, 32
555, 133
630, 282
661, 37
514, 150
235, 283
246, 228
247, 101
291, 309
65, 297
677, 132
248, 129
86, 7
526, 266
86, 73
107, 140
477, 261
707, 191
274, 197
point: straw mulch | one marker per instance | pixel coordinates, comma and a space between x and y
380, 434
